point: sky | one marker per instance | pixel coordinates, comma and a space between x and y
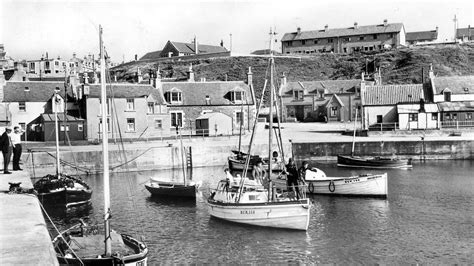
30, 28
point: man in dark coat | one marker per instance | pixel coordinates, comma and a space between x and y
292, 177
7, 149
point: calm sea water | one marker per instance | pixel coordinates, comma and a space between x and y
428, 217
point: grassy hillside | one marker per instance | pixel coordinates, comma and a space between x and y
397, 66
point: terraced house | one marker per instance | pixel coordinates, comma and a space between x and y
344, 40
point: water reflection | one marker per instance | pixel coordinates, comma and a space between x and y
427, 218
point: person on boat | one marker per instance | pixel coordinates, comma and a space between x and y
292, 177
302, 170
258, 172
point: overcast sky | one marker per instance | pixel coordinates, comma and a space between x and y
29, 28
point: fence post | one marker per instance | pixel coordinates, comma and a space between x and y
457, 124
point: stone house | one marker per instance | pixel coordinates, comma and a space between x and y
465, 34
319, 100
188, 100
173, 48
418, 37
140, 111
344, 40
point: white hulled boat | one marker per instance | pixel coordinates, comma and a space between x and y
247, 201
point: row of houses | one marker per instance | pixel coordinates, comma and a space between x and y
152, 110
359, 38
440, 102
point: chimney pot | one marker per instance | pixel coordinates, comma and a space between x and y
298, 30
326, 27
356, 25
385, 22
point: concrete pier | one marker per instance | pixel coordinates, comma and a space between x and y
24, 237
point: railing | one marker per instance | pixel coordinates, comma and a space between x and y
456, 124
383, 126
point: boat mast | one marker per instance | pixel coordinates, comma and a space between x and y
182, 156
56, 124
105, 152
270, 123
354, 136
241, 124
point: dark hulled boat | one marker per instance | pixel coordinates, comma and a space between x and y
169, 189
62, 190
378, 162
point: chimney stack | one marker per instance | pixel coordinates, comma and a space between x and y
190, 73
222, 43
298, 30
326, 27
196, 46
385, 22
86, 78
136, 57
249, 77
356, 25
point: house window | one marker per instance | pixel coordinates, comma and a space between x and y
174, 96
46, 65
130, 124
158, 124
374, 36
391, 35
100, 125
468, 116
299, 95
413, 117
62, 128
237, 96
330, 40
333, 111
151, 108
303, 42
315, 41
289, 44
434, 117
176, 119
447, 117
379, 119
455, 117
361, 38
32, 66
347, 39
447, 96
22, 106
80, 127
56, 63
130, 104
239, 118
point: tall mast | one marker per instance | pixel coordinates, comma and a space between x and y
182, 157
270, 124
354, 136
56, 125
105, 148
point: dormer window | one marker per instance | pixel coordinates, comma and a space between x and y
237, 96
174, 96
27, 89
321, 94
299, 95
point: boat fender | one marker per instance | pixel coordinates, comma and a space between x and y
311, 187
332, 186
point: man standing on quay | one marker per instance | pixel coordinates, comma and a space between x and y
7, 149
16, 140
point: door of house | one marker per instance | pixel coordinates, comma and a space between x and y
379, 119
299, 113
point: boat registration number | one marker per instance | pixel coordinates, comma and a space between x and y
247, 212
351, 180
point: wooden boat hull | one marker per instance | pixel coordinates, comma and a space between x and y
363, 185
65, 197
139, 258
288, 215
373, 162
171, 190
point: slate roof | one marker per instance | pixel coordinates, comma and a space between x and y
127, 90
203, 48
38, 91
456, 106
464, 32
151, 55
457, 84
194, 93
392, 94
339, 32
329, 86
418, 36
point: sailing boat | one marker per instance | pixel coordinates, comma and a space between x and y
247, 201
173, 189
61, 189
377, 162
82, 244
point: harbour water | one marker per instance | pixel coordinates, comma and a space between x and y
428, 217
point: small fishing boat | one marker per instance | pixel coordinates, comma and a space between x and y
237, 161
91, 245
367, 185
376, 162
174, 189
61, 189
249, 201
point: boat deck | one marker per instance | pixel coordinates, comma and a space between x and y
93, 245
